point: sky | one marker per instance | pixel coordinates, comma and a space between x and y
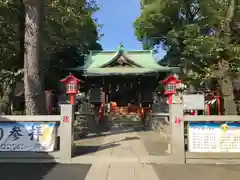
117, 17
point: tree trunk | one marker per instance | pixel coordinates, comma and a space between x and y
230, 107
225, 82
33, 64
6, 98
226, 88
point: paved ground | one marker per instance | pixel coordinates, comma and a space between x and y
89, 144
114, 159
118, 155
43, 171
119, 142
154, 142
198, 172
121, 171
117, 171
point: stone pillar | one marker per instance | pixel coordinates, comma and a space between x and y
66, 133
177, 139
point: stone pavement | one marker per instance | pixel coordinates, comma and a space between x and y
118, 157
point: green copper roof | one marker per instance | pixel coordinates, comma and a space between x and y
97, 63
120, 71
121, 48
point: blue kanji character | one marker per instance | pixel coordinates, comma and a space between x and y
35, 131
15, 133
1, 133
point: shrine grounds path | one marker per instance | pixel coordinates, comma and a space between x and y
118, 155
116, 159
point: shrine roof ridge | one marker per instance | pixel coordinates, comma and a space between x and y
127, 51
122, 62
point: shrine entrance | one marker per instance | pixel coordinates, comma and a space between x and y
120, 87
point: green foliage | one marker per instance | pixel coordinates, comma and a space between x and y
10, 66
194, 34
9, 45
200, 36
69, 32
70, 23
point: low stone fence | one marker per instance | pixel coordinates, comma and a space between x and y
229, 141
64, 131
198, 139
181, 138
215, 142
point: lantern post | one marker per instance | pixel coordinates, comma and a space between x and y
72, 84
170, 87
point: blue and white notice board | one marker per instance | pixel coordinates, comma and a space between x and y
214, 137
27, 136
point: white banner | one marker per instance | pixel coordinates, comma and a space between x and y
214, 137
27, 136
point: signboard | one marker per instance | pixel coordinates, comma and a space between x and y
193, 101
27, 136
177, 99
214, 137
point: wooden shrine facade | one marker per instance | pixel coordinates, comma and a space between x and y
122, 78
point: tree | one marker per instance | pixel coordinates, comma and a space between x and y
69, 24
63, 42
9, 48
70, 32
33, 62
197, 36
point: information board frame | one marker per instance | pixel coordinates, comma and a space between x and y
193, 101
225, 135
